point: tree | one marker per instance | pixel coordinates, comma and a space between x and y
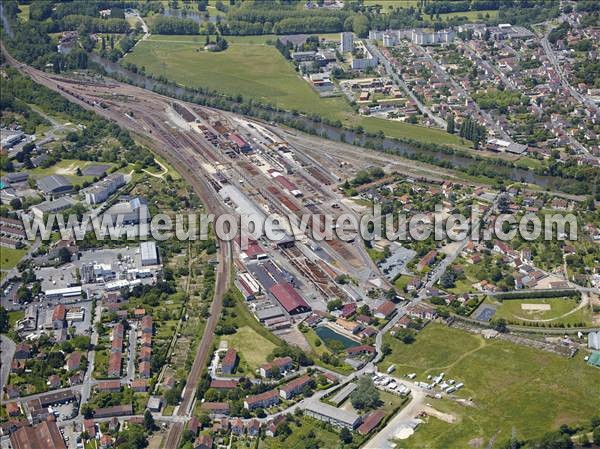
334, 304
56, 360
4, 324
448, 279
386, 349
365, 396
596, 436
499, 325
149, 421
16, 203
64, 255
345, 436
450, 125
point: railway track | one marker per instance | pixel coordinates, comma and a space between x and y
165, 143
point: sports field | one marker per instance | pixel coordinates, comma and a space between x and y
500, 377
545, 311
254, 69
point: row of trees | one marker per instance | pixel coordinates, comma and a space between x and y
173, 25
473, 131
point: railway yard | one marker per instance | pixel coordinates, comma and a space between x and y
286, 289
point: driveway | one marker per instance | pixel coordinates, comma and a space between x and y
403, 419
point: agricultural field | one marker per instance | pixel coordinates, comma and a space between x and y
498, 376
242, 70
567, 311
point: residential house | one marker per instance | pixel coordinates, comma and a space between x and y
385, 310
229, 361
262, 400
294, 387
281, 363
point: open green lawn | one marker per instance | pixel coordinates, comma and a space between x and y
67, 168
252, 340
14, 316
253, 68
10, 257
473, 16
253, 347
23, 13
562, 310
325, 437
512, 386
249, 67
393, 3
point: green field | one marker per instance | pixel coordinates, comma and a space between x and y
252, 347
471, 15
253, 68
562, 310
10, 257
67, 168
326, 438
385, 4
249, 67
512, 386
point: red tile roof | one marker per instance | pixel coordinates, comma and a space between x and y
230, 357
371, 421
289, 298
223, 384
386, 309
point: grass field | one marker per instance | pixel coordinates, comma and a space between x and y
253, 347
253, 68
471, 15
326, 438
10, 257
252, 340
14, 316
67, 168
248, 67
23, 13
562, 310
541, 390
393, 3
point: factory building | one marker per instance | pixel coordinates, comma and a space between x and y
149, 253
289, 298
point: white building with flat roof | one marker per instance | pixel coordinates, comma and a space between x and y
149, 253
346, 42
332, 415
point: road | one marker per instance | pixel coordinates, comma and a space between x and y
404, 418
400, 82
8, 348
131, 360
